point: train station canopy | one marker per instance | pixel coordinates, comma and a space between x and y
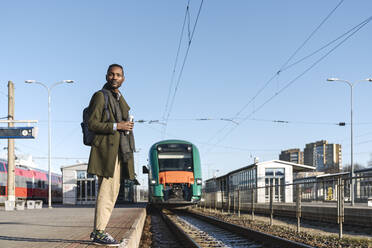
296, 167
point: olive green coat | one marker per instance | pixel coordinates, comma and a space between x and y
105, 146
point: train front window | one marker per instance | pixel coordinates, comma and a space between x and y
174, 161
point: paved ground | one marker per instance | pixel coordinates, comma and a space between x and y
62, 226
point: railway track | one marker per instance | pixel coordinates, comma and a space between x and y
156, 233
205, 234
290, 220
193, 230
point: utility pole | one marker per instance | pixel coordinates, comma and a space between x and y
352, 196
11, 165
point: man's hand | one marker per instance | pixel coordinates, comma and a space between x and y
125, 126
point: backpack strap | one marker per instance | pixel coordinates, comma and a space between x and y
106, 103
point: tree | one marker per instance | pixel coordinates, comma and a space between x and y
357, 166
370, 161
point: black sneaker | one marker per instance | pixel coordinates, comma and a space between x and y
102, 238
92, 235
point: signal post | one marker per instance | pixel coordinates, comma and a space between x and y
12, 133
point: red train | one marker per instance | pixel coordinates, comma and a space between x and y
31, 183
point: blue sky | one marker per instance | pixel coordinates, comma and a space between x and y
237, 47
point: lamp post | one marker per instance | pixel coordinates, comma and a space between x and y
49, 134
351, 130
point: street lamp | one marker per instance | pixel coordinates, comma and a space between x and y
351, 130
49, 134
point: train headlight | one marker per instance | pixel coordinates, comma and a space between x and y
152, 181
198, 181
189, 148
159, 148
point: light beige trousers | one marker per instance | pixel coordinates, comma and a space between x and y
108, 190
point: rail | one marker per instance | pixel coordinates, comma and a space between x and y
178, 231
204, 231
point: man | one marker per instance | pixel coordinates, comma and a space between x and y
111, 154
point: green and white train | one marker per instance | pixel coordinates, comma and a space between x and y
174, 173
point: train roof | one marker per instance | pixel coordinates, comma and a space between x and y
170, 141
26, 167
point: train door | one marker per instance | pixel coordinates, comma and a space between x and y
86, 188
275, 178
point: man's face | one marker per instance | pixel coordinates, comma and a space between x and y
115, 77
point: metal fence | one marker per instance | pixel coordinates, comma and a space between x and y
331, 194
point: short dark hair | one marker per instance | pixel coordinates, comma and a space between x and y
115, 65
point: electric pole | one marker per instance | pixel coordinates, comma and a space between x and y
11, 164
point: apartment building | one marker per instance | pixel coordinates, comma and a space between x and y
292, 155
325, 157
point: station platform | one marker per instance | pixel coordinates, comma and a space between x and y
68, 226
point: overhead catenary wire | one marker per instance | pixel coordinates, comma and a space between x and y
311, 35
282, 68
253, 119
184, 62
244, 149
228, 119
346, 141
325, 46
360, 26
191, 36
311, 67
176, 61
299, 122
22, 145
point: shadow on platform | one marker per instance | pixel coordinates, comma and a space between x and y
32, 224
117, 205
45, 240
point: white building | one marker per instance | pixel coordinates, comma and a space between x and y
277, 172
260, 176
80, 187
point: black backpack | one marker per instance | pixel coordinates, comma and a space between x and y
88, 135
